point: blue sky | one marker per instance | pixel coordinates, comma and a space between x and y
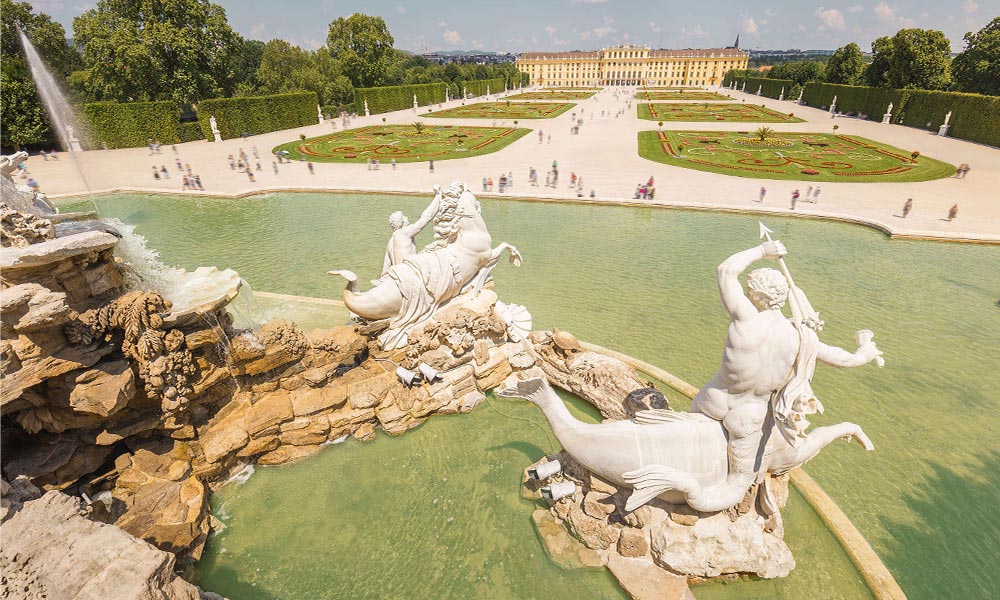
525, 25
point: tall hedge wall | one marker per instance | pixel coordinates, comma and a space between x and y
769, 88
477, 87
130, 124
257, 114
974, 117
397, 97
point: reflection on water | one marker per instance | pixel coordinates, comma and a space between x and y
642, 281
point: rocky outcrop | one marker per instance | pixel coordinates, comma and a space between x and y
20, 230
51, 550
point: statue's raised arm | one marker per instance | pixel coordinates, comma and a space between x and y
737, 304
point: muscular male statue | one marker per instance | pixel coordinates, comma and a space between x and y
766, 357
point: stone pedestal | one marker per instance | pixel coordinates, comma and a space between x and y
74, 145
218, 136
886, 118
943, 130
833, 111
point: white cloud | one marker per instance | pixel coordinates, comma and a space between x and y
698, 33
312, 44
257, 31
550, 30
654, 27
884, 12
477, 44
452, 37
749, 25
418, 43
47, 6
442, 23
401, 9
831, 19
588, 1
599, 32
855, 9
770, 12
969, 7
626, 36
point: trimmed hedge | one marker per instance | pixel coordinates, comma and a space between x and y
974, 117
257, 114
189, 132
769, 88
397, 97
477, 87
131, 124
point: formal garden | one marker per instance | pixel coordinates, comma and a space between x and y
504, 110
680, 94
738, 113
554, 95
766, 154
404, 143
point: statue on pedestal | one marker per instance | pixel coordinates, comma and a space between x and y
460, 258
215, 128
748, 421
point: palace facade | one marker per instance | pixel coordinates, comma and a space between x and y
631, 65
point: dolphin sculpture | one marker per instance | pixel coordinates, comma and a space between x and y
675, 456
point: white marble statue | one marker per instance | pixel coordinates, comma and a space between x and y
402, 242
887, 117
889, 109
799, 101
750, 419
460, 257
319, 113
415, 105
947, 118
759, 88
367, 112
781, 96
9, 163
214, 124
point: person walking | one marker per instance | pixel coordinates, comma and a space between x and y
795, 198
164, 173
816, 195
430, 164
197, 182
394, 164
274, 166
760, 196
952, 212
907, 206
540, 136
484, 184
156, 174
312, 171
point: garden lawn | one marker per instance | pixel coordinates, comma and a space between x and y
803, 157
403, 143
504, 110
681, 95
741, 113
554, 95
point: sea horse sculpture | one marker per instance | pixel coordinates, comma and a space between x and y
413, 289
748, 420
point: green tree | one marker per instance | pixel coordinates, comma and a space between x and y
362, 46
977, 68
799, 71
23, 118
911, 59
24, 121
156, 50
876, 73
845, 66
341, 91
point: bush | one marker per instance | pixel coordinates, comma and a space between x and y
397, 97
189, 132
974, 117
769, 88
478, 87
130, 124
257, 114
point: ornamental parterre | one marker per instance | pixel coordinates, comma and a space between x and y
504, 110
680, 95
402, 143
727, 112
801, 156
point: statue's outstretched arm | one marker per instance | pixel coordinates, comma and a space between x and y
838, 357
413, 229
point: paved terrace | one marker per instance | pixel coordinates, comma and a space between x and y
604, 153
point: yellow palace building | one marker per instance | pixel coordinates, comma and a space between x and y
632, 65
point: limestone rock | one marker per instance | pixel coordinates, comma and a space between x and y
716, 545
309, 401
305, 431
606, 382
30, 307
103, 391
165, 503
268, 411
224, 434
643, 580
562, 548
276, 344
54, 463
55, 250
632, 543
51, 550
365, 432
287, 454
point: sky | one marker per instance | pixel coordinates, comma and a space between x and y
559, 25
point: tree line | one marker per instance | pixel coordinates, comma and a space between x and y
910, 59
186, 51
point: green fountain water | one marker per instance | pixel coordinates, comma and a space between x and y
360, 519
